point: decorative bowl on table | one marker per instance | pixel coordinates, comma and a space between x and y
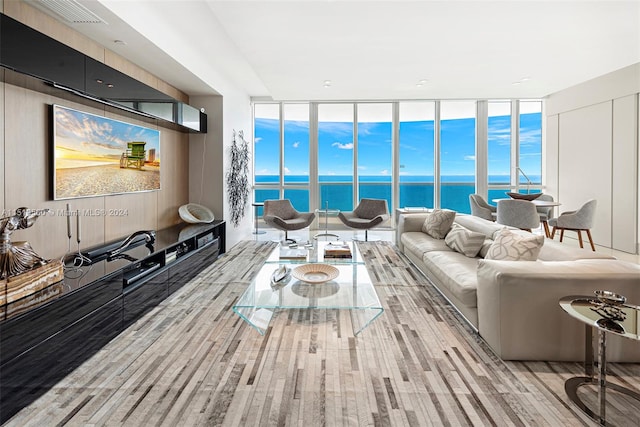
521, 196
315, 273
609, 297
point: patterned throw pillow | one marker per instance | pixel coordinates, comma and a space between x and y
510, 246
438, 223
465, 241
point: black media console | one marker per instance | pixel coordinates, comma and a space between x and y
46, 335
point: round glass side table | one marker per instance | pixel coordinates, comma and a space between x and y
327, 213
614, 317
257, 205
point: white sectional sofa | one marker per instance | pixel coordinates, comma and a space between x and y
514, 304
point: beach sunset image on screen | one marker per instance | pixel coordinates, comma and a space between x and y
96, 156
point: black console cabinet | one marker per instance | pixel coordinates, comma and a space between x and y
60, 329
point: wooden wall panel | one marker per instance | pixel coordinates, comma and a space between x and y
585, 164
174, 176
28, 173
126, 213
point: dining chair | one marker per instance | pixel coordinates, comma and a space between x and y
480, 207
578, 220
517, 213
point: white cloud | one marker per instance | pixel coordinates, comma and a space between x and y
287, 170
296, 144
469, 157
256, 140
347, 146
384, 172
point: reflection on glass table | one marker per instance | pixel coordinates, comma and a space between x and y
352, 290
606, 315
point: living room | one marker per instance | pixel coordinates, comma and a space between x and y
596, 108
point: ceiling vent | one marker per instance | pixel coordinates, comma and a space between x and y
69, 10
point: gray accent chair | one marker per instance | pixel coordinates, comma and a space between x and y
517, 213
546, 213
282, 215
482, 209
579, 220
368, 214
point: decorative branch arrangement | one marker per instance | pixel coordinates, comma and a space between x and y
238, 178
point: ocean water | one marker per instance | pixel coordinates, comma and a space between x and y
415, 191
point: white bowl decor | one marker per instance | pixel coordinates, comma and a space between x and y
195, 214
315, 273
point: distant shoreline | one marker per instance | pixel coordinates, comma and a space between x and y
100, 180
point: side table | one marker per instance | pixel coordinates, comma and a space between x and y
327, 213
617, 318
257, 205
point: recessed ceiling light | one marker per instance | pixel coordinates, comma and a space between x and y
109, 85
327, 83
122, 42
99, 81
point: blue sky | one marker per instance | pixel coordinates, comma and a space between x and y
85, 136
335, 152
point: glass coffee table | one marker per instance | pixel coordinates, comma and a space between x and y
351, 290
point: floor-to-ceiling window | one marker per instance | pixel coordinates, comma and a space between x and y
498, 149
266, 140
374, 151
335, 156
530, 144
415, 152
332, 154
296, 155
457, 154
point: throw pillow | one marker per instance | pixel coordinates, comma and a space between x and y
465, 241
510, 246
438, 223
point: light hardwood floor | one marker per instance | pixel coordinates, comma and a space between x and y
192, 361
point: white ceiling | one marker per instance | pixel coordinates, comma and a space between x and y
372, 49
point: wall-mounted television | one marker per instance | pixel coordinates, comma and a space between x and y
98, 156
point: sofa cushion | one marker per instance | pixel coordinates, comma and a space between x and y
455, 272
438, 223
418, 243
481, 225
465, 241
510, 246
556, 251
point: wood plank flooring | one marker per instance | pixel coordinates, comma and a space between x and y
192, 361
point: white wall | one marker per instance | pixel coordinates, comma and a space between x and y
592, 152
